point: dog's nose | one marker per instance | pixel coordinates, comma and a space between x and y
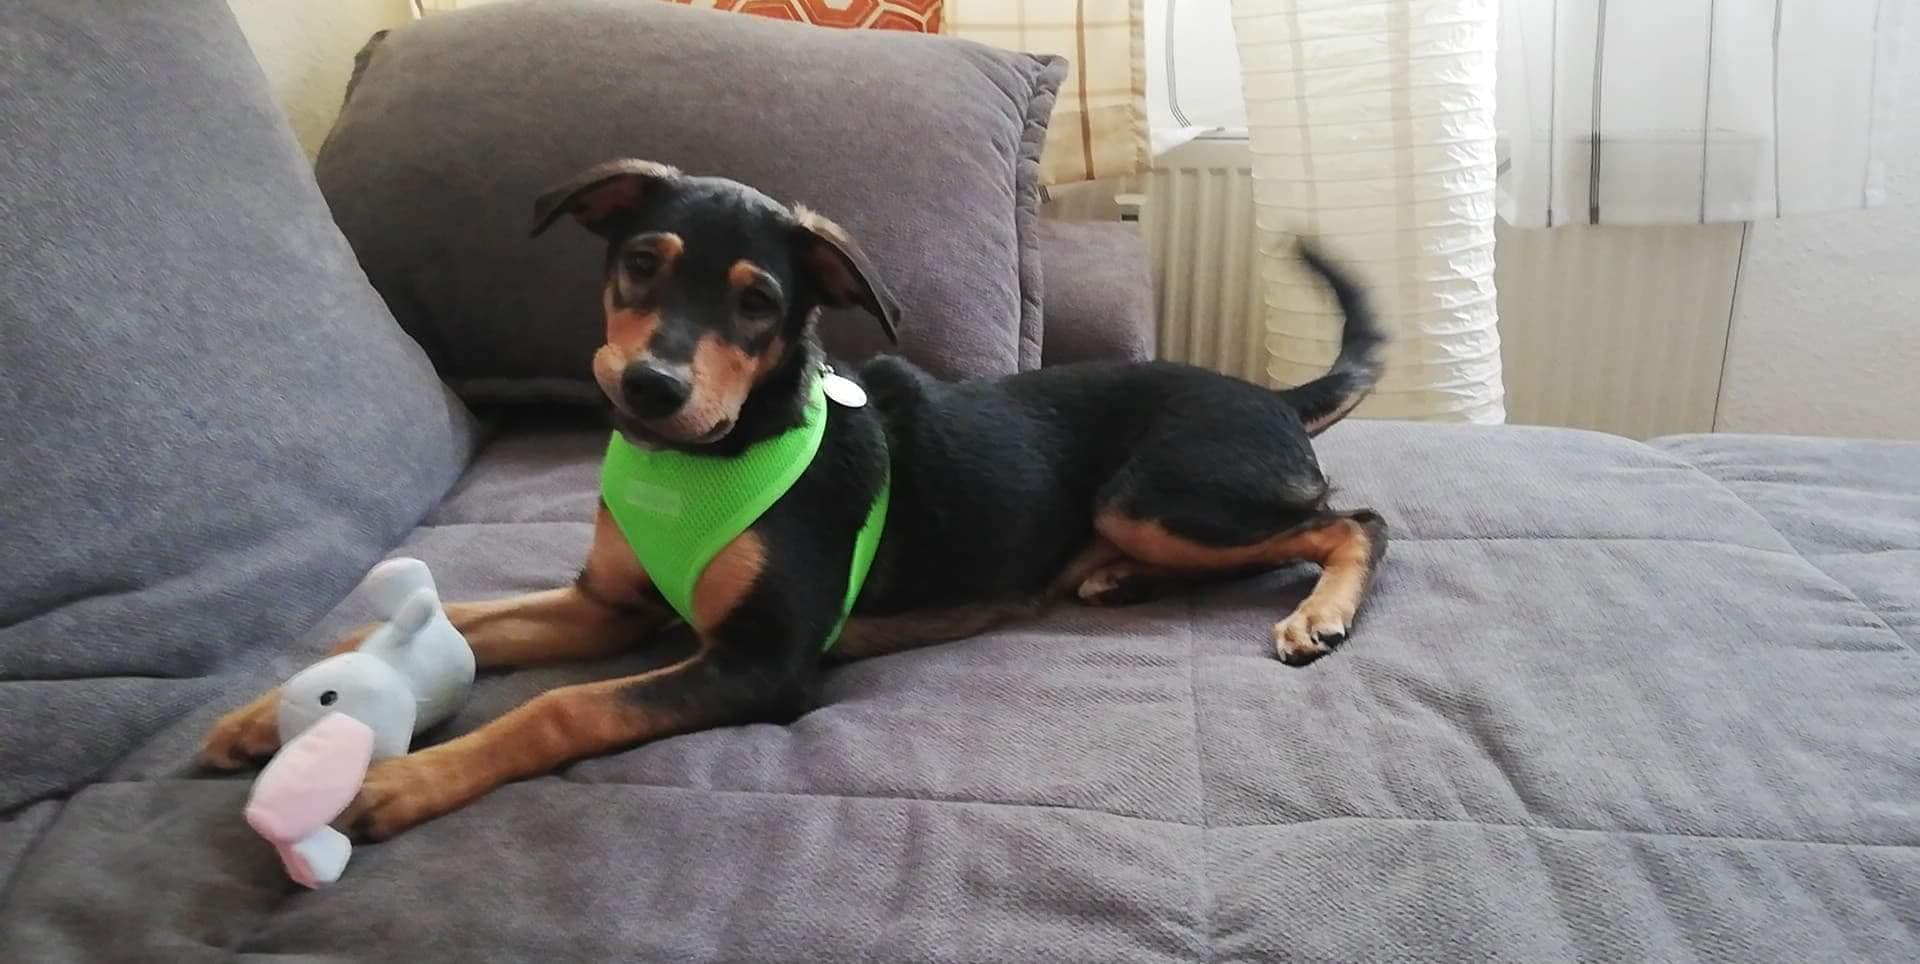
653, 391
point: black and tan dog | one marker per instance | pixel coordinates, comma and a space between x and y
1100, 481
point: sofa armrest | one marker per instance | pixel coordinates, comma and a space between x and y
1098, 299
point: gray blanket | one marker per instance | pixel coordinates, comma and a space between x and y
1609, 702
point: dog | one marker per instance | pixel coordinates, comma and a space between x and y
1100, 482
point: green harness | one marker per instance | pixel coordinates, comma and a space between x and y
678, 510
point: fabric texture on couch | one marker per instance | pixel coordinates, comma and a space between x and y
209, 424
1850, 507
924, 148
1099, 292
1600, 707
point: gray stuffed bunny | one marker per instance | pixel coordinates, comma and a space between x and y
342, 713
410, 674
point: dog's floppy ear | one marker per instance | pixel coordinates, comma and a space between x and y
597, 196
845, 277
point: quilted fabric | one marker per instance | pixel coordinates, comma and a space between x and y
1609, 702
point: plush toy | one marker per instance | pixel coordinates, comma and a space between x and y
342, 713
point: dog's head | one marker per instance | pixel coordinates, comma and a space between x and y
710, 292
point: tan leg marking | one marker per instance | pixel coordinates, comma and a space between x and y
250, 734
727, 580
612, 574
606, 612
1343, 547
551, 730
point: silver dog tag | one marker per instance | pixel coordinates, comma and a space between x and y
843, 390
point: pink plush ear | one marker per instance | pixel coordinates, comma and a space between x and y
311, 780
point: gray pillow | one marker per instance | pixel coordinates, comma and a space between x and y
209, 425
1100, 299
925, 148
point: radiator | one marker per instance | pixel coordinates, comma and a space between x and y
1615, 329
1198, 223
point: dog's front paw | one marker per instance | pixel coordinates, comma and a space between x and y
1311, 632
1105, 587
243, 737
398, 795
1122, 583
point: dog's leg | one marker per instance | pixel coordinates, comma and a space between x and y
1346, 549
743, 671
555, 626
554, 729
720, 684
1102, 575
1345, 545
1123, 582
251, 733
606, 611
868, 636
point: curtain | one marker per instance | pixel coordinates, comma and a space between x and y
1099, 126
1371, 128
1692, 111
1193, 72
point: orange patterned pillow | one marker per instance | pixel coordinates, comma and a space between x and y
914, 16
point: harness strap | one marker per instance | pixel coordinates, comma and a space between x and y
677, 510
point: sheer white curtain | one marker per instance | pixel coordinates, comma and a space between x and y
1692, 111
1193, 72
1371, 126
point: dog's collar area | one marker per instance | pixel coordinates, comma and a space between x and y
843, 391
677, 509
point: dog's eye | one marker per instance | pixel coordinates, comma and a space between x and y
757, 303
643, 263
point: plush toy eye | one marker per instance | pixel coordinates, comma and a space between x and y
329, 698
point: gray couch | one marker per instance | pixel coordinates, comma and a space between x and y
1610, 700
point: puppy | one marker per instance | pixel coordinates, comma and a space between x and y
1100, 482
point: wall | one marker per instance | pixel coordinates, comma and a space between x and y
1617, 329
306, 48
1826, 320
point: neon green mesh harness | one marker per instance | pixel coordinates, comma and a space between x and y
678, 510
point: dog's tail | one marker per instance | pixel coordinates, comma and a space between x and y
1329, 398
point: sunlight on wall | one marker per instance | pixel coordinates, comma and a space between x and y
307, 48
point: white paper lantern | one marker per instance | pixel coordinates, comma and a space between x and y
1372, 130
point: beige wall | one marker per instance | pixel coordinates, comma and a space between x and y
306, 48
1826, 327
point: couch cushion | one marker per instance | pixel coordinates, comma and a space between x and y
1099, 292
1850, 507
209, 424
1597, 709
923, 147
